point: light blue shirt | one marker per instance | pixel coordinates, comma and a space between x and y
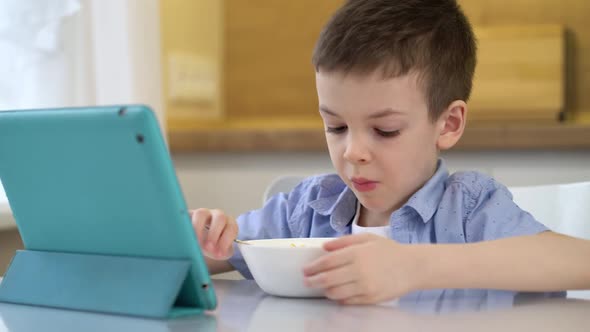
461, 208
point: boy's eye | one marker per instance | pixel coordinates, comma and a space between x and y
392, 133
336, 130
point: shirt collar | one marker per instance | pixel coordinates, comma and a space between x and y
341, 207
427, 199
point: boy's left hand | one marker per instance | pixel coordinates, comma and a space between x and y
363, 269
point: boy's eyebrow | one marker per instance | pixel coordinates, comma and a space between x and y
384, 113
326, 110
376, 115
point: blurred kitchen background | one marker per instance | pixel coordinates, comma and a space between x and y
232, 85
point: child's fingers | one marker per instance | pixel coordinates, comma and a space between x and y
348, 240
357, 300
200, 218
218, 223
226, 240
332, 278
327, 262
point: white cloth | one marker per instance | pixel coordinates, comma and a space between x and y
30, 43
384, 231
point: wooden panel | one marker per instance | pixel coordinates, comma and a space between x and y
269, 88
191, 28
572, 14
520, 73
264, 135
268, 48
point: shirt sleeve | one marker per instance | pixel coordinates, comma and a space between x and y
495, 215
272, 221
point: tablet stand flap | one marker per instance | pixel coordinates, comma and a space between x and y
135, 286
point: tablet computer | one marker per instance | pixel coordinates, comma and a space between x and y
99, 180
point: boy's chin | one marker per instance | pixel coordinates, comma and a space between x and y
377, 204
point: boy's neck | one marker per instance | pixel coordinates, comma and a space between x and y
373, 219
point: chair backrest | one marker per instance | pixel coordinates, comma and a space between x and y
564, 208
283, 184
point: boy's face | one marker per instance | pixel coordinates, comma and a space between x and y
380, 138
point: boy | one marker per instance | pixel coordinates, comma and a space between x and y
393, 78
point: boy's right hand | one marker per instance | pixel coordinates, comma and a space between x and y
216, 232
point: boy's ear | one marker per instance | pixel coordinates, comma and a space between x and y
451, 124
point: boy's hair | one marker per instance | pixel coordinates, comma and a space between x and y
431, 37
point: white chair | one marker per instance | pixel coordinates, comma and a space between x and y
564, 208
282, 184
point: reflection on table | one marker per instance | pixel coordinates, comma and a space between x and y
244, 307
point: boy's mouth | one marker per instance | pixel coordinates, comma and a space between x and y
363, 184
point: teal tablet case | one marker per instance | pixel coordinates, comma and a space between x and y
101, 215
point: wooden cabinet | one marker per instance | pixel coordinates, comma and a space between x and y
268, 99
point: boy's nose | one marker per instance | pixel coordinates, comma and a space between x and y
356, 152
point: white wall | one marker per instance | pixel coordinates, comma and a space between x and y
235, 182
125, 44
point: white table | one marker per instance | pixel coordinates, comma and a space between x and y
244, 307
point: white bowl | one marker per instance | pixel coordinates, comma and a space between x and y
277, 264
